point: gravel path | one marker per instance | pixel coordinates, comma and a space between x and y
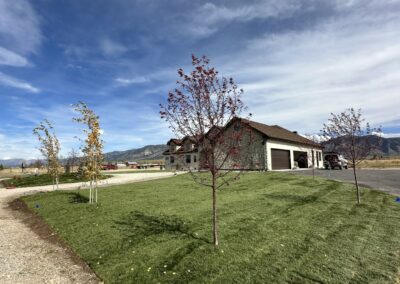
25, 257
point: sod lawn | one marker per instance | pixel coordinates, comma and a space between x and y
274, 228
44, 179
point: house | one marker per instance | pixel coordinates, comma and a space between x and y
132, 165
272, 148
109, 166
182, 154
121, 165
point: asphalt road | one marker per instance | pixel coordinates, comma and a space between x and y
387, 180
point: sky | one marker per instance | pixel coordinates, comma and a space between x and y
297, 62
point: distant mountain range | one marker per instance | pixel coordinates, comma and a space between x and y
387, 147
149, 152
384, 146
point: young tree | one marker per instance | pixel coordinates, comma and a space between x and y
314, 154
72, 160
349, 135
198, 109
92, 148
50, 148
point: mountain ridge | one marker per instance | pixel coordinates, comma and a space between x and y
148, 152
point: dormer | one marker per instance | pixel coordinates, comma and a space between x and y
174, 144
188, 144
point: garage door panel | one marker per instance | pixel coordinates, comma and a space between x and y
280, 159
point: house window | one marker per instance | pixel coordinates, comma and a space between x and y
194, 158
188, 159
172, 160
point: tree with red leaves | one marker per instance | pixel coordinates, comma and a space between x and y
200, 108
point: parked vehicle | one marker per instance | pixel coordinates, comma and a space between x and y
334, 160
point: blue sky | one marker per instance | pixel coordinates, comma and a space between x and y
297, 61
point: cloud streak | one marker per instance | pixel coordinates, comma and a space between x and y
9, 58
19, 26
16, 83
20, 35
130, 81
210, 17
111, 48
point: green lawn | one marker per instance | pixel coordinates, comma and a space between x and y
274, 228
43, 179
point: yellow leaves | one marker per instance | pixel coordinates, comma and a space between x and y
49, 146
93, 147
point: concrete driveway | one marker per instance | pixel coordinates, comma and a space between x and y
387, 180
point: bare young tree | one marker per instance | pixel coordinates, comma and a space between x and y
72, 160
50, 148
199, 109
92, 148
349, 135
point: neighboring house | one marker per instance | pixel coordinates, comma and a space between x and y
121, 165
132, 165
109, 166
272, 148
182, 154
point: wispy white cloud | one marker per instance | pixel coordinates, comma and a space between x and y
111, 48
19, 26
20, 35
208, 18
7, 57
16, 83
130, 81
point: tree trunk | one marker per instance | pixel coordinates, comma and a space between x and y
214, 208
96, 188
356, 181
57, 182
90, 192
313, 164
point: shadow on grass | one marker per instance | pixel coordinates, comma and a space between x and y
298, 199
137, 226
301, 199
77, 198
